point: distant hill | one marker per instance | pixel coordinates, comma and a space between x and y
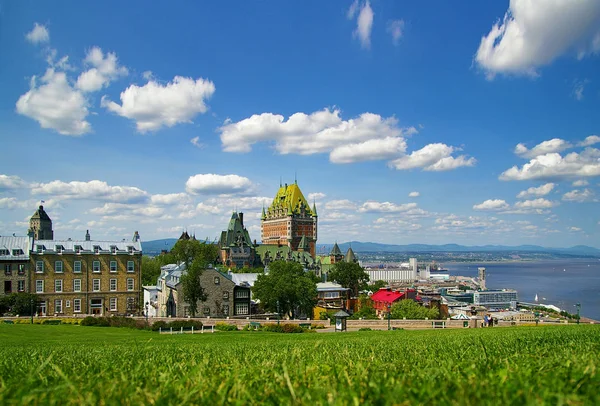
156, 246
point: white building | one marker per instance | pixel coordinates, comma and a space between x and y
496, 299
150, 305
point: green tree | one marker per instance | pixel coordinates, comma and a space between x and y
412, 311
19, 303
350, 275
375, 286
150, 270
288, 284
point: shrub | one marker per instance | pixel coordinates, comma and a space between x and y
157, 325
315, 326
178, 324
365, 329
272, 327
226, 327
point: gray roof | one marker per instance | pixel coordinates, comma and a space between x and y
15, 245
341, 313
69, 245
330, 287
244, 278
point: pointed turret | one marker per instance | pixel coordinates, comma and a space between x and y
314, 209
335, 250
87, 235
303, 246
350, 257
264, 215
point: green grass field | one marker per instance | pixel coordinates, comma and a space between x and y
91, 365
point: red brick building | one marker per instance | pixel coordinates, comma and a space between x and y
290, 221
386, 297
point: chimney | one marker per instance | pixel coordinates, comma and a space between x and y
241, 216
136, 237
87, 235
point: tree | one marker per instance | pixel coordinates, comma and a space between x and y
375, 286
150, 270
19, 303
350, 275
412, 311
288, 284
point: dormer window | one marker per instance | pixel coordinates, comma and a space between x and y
40, 249
78, 249
96, 249
113, 249
130, 249
4, 251
15, 253
59, 249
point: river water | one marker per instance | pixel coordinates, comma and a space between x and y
562, 283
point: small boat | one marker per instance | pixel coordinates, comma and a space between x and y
564, 270
536, 298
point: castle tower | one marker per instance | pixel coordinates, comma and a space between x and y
40, 225
288, 219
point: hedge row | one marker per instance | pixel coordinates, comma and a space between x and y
113, 321
176, 324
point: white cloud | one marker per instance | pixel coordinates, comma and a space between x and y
370, 150
241, 203
154, 106
433, 157
537, 191
396, 29
591, 140
196, 142
340, 205
364, 23
554, 166
170, 199
535, 204
585, 195
578, 88
148, 75
38, 34
414, 194
92, 190
55, 104
205, 208
319, 132
372, 206
11, 182
546, 147
575, 229
316, 196
535, 32
211, 184
104, 70
492, 205
580, 183
352, 10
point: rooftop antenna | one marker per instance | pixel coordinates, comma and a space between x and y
295, 178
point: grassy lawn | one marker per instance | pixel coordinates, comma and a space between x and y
90, 365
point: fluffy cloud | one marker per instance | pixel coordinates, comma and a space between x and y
492, 205
580, 183
585, 195
316, 196
578, 88
372, 206
537, 191
364, 22
396, 28
535, 204
554, 166
154, 106
370, 150
92, 190
55, 105
196, 142
104, 69
546, 147
212, 184
433, 157
535, 32
38, 34
11, 182
169, 199
340, 205
575, 229
591, 140
414, 194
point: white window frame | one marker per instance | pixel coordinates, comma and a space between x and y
75, 283
39, 286
19, 283
76, 305
111, 288
58, 306
115, 266
68, 304
241, 309
130, 284
76, 265
96, 285
130, 266
39, 266
58, 285
58, 266
94, 263
112, 304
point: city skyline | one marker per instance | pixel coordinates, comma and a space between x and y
402, 123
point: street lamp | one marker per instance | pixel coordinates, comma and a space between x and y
31, 309
578, 306
278, 312
147, 313
389, 307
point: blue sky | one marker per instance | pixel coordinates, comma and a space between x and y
407, 122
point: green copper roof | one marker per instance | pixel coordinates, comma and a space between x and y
291, 199
235, 234
335, 250
350, 257
304, 243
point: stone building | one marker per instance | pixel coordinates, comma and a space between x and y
236, 249
288, 219
86, 276
335, 256
14, 264
224, 298
40, 225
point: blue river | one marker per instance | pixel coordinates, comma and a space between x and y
562, 283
